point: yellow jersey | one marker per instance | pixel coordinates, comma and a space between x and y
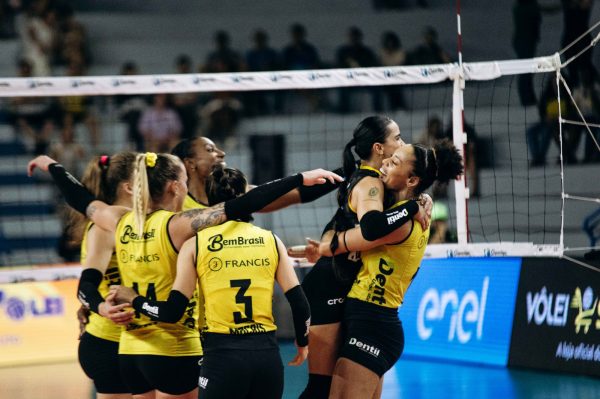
191, 203
388, 270
148, 263
99, 326
236, 265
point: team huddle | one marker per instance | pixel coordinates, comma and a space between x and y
179, 281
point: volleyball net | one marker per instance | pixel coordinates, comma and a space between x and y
276, 123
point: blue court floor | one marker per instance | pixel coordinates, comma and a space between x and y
425, 379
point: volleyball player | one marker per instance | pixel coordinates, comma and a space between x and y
374, 339
199, 156
361, 200
109, 179
236, 265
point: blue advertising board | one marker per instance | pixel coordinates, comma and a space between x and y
461, 309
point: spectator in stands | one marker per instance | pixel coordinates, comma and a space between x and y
32, 117
186, 104
429, 52
261, 58
39, 35
440, 231
527, 19
587, 98
73, 43
470, 157
130, 108
355, 54
160, 125
299, 54
223, 58
221, 117
540, 134
69, 152
392, 54
78, 109
576, 21
433, 133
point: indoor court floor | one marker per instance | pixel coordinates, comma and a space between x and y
409, 379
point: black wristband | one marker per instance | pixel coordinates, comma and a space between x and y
260, 196
300, 314
376, 224
169, 311
76, 195
309, 194
87, 291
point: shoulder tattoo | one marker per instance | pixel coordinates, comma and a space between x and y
373, 192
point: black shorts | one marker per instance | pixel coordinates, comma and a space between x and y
325, 293
99, 359
373, 336
252, 368
174, 375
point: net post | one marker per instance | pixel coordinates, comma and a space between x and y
458, 137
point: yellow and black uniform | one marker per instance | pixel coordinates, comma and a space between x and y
99, 345
192, 203
236, 265
327, 284
155, 355
374, 335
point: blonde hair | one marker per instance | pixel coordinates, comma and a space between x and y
149, 183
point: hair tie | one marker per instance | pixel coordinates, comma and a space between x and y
104, 161
151, 159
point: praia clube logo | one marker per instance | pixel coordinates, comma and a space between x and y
18, 307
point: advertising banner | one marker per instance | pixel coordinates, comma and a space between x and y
461, 309
557, 317
38, 322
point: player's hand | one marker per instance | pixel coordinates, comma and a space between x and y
83, 316
301, 355
42, 162
423, 217
310, 251
116, 313
320, 176
122, 294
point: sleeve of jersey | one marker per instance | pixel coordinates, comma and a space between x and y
261, 196
376, 224
300, 314
169, 311
309, 194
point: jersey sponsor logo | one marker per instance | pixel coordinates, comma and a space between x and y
396, 216
249, 329
217, 242
466, 314
370, 349
248, 262
126, 257
335, 301
377, 286
130, 235
215, 264
202, 382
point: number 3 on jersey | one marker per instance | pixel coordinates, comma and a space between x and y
243, 285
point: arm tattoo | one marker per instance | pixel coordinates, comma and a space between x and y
203, 218
91, 209
373, 192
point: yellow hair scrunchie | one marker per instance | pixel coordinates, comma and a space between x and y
151, 159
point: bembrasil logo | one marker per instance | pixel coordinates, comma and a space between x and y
462, 317
217, 242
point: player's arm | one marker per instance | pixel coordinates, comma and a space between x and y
77, 196
171, 310
99, 250
185, 224
288, 281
